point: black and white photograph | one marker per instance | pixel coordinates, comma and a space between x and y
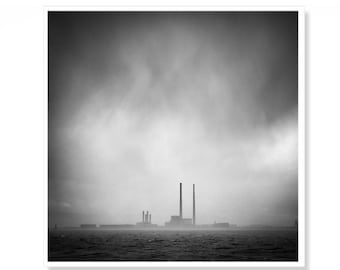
173, 136
169, 134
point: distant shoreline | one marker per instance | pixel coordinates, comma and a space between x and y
163, 228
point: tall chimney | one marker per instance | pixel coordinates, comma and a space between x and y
143, 217
180, 200
147, 217
150, 218
193, 206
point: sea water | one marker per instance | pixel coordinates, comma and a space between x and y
172, 245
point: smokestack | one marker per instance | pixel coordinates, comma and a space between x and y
150, 218
180, 200
147, 217
193, 206
143, 217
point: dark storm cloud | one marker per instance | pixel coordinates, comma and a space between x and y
138, 101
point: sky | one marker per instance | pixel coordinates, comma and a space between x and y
139, 102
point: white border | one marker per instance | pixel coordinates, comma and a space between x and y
301, 138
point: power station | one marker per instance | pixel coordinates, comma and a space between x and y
179, 221
146, 221
176, 222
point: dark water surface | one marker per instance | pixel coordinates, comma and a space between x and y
157, 245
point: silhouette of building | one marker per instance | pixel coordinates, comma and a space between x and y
146, 221
116, 226
88, 226
221, 225
179, 221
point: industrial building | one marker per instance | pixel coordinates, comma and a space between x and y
221, 225
179, 221
176, 222
88, 226
116, 226
146, 221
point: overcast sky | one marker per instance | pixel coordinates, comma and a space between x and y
139, 102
